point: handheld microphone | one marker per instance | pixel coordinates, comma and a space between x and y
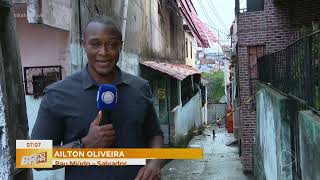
106, 101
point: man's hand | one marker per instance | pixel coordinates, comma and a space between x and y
151, 171
99, 136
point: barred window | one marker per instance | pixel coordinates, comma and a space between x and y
36, 79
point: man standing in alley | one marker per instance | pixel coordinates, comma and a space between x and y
68, 114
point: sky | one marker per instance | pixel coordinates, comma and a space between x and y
218, 14
209, 11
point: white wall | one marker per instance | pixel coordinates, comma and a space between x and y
273, 135
129, 62
187, 116
267, 116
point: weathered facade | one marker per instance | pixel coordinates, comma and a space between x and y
13, 119
151, 29
264, 27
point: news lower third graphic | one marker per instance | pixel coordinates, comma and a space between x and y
41, 154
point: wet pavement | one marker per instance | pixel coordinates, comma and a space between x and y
220, 162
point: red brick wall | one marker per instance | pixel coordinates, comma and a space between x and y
275, 28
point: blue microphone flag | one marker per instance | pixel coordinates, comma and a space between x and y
107, 97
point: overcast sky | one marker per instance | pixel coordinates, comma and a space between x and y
223, 8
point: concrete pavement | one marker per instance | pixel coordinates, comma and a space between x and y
220, 162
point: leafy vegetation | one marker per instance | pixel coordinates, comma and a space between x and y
215, 85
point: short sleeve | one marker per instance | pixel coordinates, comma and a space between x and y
152, 125
48, 125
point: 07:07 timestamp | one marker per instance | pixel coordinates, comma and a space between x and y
33, 144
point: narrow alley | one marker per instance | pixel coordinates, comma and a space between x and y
220, 162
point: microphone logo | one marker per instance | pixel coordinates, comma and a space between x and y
107, 97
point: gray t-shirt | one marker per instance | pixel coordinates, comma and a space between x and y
69, 106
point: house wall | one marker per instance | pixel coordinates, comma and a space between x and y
309, 145
217, 111
129, 62
273, 154
41, 45
153, 29
272, 151
275, 27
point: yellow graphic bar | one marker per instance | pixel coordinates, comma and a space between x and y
143, 153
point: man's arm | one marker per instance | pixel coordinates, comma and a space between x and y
154, 136
153, 167
156, 142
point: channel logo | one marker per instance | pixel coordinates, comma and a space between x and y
34, 159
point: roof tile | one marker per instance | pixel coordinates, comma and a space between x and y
178, 71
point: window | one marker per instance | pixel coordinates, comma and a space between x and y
186, 48
187, 91
255, 5
254, 53
42, 81
36, 79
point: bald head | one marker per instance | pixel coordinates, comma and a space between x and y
102, 22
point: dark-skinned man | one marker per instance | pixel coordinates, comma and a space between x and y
68, 114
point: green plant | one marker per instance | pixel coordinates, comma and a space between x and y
215, 85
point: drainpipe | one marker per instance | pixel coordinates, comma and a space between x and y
179, 92
80, 35
124, 10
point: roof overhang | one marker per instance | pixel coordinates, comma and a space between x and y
177, 71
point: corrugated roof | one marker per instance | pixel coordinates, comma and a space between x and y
199, 29
178, 71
